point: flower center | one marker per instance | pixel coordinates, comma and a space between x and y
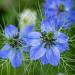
48, 39
14, 43
61, 8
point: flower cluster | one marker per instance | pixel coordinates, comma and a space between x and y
46, 44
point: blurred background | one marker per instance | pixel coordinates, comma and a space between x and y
12, 12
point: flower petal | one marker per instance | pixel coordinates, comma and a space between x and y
10, 31
4, 52
37, 52
26, 30
34, 39
63, 47
47, 25
15, 58
68, 4
25, 48
49, 8
44, 60
24, 34
34, 42
34, 35
61, 37
53, 56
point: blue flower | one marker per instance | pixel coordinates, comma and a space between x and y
61, 10
47, 44
15, 44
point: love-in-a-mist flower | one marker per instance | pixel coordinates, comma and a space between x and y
60, 9
47, 44
15, 44
27, 17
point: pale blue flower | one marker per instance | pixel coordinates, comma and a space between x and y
15, 45
47, 44
62, 10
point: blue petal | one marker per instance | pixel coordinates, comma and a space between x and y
34, 35
25, 48
26, 30
61, 37
24, 34
44, 60
65, 20
63, 47
37, 52
69, 19
50, 8
53, 56
16, 58
48, 25
10, 31
49, 12
5, 51
68, 5
34, 39
34, 42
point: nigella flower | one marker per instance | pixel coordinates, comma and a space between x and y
15, 44
47, 44
27, 17
60, 9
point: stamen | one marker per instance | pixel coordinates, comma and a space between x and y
48, 39
61, 8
